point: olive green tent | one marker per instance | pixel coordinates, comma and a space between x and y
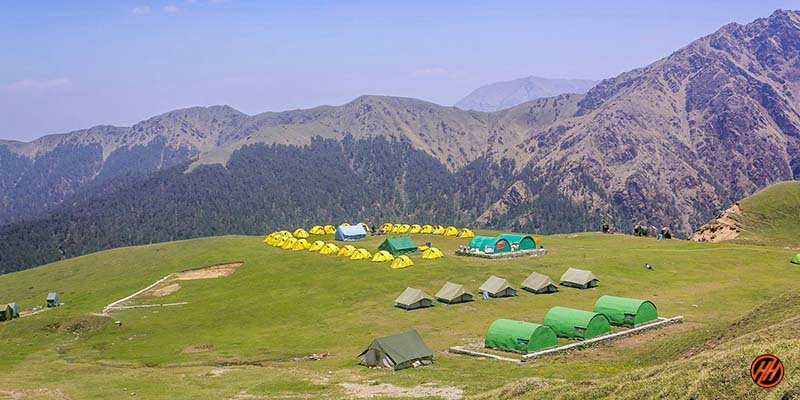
452, 293
6, 313
490, 244
397, 352
399, 245
411, 299
576, 324
538, 283
521, 242
626, 311
506, 334
796, 259
497, 287
579, 278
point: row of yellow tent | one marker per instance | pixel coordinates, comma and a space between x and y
428, 229
285, 240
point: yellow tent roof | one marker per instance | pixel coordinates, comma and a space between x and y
402, 262
451, 231
466, 233
432, 253
387, 226
316, 246
301, 244
346, 251
300, 233
329, 229
382, 256
438, 230
317, 230
415, 229
361, 254
329, 248
289, 243
426, 229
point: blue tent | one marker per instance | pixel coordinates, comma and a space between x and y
350, 233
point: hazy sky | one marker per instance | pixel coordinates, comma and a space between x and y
71, 65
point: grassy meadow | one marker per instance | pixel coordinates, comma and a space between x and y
247, 334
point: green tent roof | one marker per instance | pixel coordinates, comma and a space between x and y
523, 242
499, 245
626, 311
796, 259
399, 245
522, 336
402, 349
577, 324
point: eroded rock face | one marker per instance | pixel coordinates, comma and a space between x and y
725, 226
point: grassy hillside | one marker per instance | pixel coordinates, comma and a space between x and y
772, 215
257, 324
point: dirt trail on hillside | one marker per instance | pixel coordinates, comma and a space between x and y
725, 226
368, 391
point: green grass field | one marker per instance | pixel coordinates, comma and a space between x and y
772, 216
257, 324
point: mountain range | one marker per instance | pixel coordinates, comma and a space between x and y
501, 95
670, 144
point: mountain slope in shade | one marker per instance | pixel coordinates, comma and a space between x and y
501, 95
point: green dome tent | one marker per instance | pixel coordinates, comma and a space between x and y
796, 259
626, 311
523, 242
506, 334
576, 324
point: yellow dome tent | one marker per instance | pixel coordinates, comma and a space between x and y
426, 229
387, 226
289, 243
300, 233
329, 248
329, 229
316, 246
346, 251
402, 262
415, 229
395, 228
438, 230
279, 241
432, 253
404, 228
451, 231
422, 247
344, 224
301, 244
361, 254
317, 230
284, 233
382, 256
466, 233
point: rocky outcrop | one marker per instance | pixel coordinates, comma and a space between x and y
725, 226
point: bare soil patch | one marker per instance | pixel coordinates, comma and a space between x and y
212, 272
164, 290
724, 227
372, 390
197, 348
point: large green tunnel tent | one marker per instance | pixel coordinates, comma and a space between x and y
576, 324
506, 334
523, 242
626, 311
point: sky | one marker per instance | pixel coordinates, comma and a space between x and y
77, 64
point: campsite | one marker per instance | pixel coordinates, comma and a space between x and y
264, 333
